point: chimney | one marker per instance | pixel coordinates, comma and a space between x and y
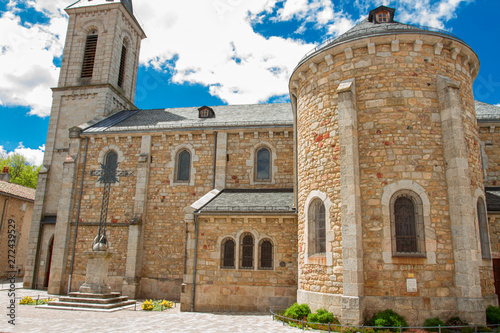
5, 174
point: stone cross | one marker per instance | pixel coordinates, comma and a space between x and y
108, 174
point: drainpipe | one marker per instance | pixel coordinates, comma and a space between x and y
195, 260
3, 212
215, 158
78, 215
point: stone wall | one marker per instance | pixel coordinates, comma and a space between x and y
241, 149
162, 253
239, 289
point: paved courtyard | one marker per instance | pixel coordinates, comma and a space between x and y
31, 319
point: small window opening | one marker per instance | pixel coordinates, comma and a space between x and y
247, 252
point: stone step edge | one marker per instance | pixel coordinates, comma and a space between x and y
66, 308
93, 300
91, 305
88, 295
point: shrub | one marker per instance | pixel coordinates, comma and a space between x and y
493, 315
432, 323
297, 311
387, 318
453, 322
322, 316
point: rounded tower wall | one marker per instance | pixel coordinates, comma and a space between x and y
400, 142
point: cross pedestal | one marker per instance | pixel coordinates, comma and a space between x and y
97, 273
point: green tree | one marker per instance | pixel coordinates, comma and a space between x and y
20, 171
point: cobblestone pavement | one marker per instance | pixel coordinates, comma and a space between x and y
31, 319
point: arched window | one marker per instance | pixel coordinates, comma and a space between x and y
266, 254
123, 61
228, 246
110, 166
317, 231
183, 166
483, 229
89, 55
246, 256
263, 164
407, 224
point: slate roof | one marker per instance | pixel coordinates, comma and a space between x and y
493, 199
367, 29
86, 3
15, 190
251, 201
252, 115
487, 112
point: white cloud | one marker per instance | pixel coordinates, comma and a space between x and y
217, 47
26, 54
33, 156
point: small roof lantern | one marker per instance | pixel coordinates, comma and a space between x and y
206, 112
382, 14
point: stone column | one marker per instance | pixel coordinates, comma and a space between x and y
221, 161
64, 217
352, 237
187, 285
135, 232
31, 264
467, 278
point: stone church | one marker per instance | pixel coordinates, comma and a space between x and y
374, 188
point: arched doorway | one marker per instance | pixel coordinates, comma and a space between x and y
49, 262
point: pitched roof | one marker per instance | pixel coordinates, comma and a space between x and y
487, 112
16, 190
251, 201
86, 3
493, 199
252, 115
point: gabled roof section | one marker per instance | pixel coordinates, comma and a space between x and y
86, 3
251, 201
18, 191
486, 112
228, 116
374, 12
493, 199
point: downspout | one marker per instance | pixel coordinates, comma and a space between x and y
215, 158
3, 212
295, 153
78, 215
195, 260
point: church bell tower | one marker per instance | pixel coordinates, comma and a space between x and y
98, 77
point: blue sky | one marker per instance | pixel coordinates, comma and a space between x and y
225, 52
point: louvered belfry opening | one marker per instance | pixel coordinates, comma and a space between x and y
121, 74
89, 56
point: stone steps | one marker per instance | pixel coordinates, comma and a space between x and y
91, 302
